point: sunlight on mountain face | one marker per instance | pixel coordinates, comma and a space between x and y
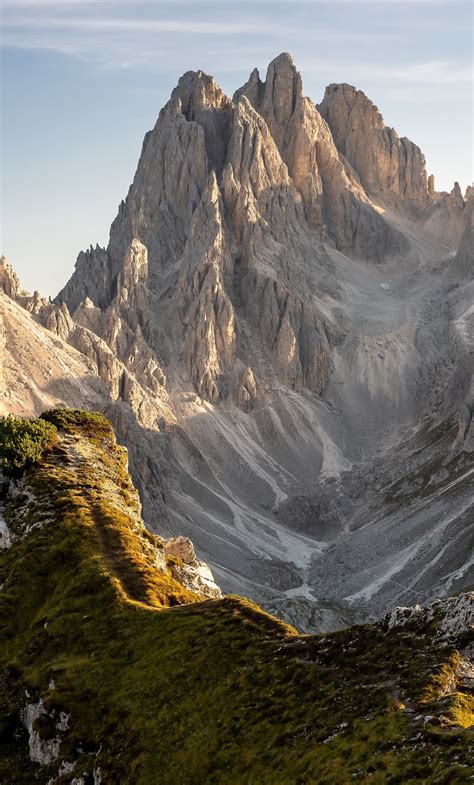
281, 332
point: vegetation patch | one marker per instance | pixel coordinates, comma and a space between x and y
159, 685
91, 424
23, 442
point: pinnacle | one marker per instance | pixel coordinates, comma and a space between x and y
284, 59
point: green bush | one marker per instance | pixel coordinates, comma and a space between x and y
23, 442
77, 419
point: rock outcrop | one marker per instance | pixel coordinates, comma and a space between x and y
463, 263
387, 165
446, 217
9, 281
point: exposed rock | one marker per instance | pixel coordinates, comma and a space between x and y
463, 263
58, 320
5, 535
446, 217
182, 548
453, 617
386, 164
247, 391
194, 574
332, 195
205, 316
197, 577
42, 751
203, 102
8, 279
92, 279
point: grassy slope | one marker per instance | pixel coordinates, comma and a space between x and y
164, 688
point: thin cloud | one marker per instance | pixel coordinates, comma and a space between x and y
435, 72
131, 25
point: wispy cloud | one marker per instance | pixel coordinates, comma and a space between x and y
130, 25
434, 72
118, 33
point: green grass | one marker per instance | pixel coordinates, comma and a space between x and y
162, 687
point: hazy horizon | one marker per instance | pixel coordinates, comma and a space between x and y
84, 81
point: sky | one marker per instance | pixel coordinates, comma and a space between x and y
82, 81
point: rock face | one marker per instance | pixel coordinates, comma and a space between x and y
391, 169
274, 331
464, 259
387, 165
181, 547
333, 198
446, 216
9, 282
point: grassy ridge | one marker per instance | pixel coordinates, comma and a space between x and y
161, 687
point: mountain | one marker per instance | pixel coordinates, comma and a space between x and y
116, 667
282, 329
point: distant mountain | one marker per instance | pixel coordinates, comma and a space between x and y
117, 667
281, 330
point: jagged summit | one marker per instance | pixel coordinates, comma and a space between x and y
280, 91
385, 163
198, 90
276, 327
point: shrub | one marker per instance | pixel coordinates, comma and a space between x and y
23, 442
77, 419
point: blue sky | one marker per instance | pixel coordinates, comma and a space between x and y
82, 82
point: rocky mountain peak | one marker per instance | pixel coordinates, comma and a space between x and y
388, 166
198, 90
209, 253
253, 89
267, 328
348, 109
203, 101
283, 89
278, 94
456, 193
277, 98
